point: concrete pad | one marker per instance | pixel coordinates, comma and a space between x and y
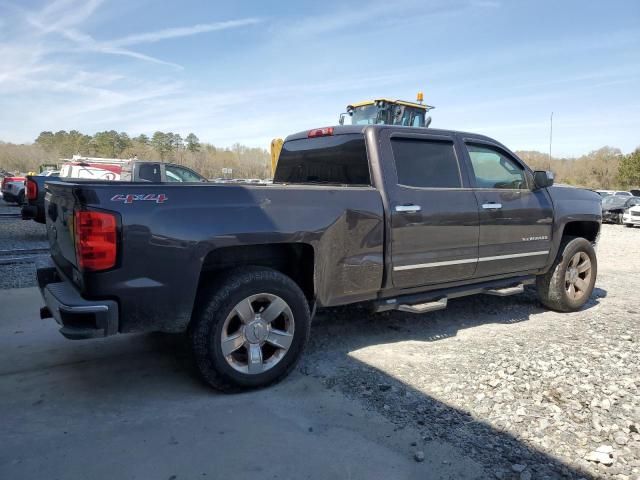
130, 407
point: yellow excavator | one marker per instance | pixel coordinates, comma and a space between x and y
381, 111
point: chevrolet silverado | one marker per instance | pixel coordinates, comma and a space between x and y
392, 217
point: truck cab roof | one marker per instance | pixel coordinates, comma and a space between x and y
361, 129
354, 129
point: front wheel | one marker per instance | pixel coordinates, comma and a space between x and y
250, 329
628, 225
568, 284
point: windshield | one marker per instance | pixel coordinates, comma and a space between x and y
366, 115
392, 115
632, 202
175, 173
613, 201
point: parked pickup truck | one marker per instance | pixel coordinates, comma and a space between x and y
33, 205
395, 218
102, 170
12, 189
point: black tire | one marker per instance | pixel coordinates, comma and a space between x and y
20, 199
552, 286
217, 301
628, 225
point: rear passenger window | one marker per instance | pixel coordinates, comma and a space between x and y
425, 163
334, 159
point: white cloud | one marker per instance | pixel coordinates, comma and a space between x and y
63, 14
64, 17
151, 37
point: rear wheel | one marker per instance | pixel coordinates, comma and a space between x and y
250, 329
629, 225
568, 284
20, 199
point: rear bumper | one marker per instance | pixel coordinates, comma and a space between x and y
79, 318
9, 197
29, 212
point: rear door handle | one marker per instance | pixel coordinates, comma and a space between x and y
408, 208
492, 206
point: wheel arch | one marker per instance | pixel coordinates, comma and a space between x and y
296, 260
587, 229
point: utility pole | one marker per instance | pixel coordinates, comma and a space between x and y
550, 139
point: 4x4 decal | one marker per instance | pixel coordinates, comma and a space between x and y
132, 197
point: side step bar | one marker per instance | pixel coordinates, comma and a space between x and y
437, 299
505, 292
424, 307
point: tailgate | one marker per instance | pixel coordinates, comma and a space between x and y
59, 206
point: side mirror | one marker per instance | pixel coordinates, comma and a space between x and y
542, 178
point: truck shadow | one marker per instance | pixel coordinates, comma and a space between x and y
338, 333
461, 313
139, 369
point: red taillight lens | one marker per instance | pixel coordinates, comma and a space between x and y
320, 132
32, 190
96, 240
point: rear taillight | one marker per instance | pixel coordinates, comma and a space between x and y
320, 132
96, 237
32, 190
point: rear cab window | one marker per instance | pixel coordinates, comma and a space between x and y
425, 163
333, 160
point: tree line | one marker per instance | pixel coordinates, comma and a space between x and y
605, 168
50, 147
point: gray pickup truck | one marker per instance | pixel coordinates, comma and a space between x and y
130, 170
395, 218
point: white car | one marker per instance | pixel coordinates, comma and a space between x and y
13, 190
631, 215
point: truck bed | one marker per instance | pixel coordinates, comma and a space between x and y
169, 230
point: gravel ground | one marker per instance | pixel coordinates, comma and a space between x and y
16, 233
527, 392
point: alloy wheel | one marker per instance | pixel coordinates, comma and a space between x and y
257, 333
577, 278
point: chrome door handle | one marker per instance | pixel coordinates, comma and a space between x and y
408, 208
492, 206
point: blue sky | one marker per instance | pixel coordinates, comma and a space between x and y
247, 71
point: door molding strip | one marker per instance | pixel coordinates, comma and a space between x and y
469, 260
